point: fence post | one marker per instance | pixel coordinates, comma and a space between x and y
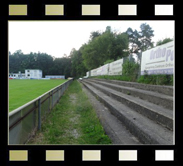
52, 99
57, 94
49, 102
34, 115
140, 58
39, 114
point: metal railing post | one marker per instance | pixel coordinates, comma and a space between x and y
52, 99
49, 102
39, 114
34, 115
58, 94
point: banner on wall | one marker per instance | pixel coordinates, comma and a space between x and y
94, 72
159, 60
105, 69
115, 68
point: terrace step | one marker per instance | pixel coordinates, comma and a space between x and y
167, 90
153, 97
157, 113
133, 113
113, 127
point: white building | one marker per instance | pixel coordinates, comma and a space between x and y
33, 73
17, 75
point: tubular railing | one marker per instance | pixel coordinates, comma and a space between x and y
26, 120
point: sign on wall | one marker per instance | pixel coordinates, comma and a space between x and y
159, 60
115, 68
94, 72
105, 69
55, 76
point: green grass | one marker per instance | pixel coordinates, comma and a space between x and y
23, 91
160, 79
72, 121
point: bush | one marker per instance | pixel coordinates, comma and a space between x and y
160, 79
130, 70
108, 61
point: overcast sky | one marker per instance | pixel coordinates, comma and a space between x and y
57, 38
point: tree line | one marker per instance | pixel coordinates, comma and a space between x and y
101, 47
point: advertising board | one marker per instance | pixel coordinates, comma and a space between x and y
115, 68
159, 60
105, 69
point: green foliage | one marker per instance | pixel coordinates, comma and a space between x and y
160, 79
166, 40
142, 39
48, 64
107, 45
94, 34
61, 66
77, 67
130, 69
109, 61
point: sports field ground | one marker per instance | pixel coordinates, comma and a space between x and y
23, 91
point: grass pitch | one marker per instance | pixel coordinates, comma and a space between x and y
23, 91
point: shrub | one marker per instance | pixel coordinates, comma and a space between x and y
130, 69
160, 79
108, 61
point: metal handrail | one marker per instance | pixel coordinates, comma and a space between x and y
16, 117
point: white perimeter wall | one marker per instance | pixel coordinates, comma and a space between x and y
113, 68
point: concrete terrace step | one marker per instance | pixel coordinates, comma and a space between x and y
167, 90
113, 127
146, 130
154, 97
154, 112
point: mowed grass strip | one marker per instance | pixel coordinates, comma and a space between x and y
72, 121
23, 91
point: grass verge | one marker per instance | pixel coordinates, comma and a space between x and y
72, 121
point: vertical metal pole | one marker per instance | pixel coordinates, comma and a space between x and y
140, 56
57, 94
49, 103
34, 115
52, 99
39, 114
